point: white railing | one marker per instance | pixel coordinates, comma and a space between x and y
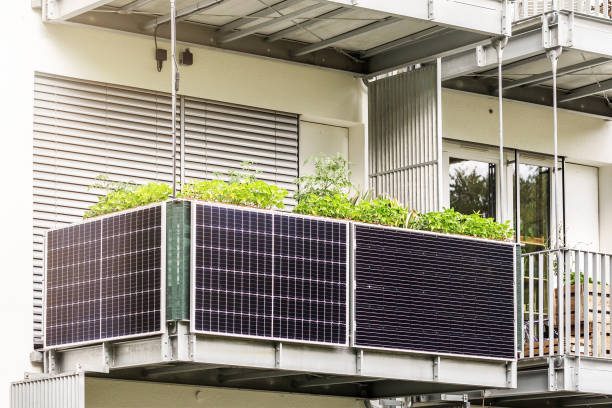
566, 303
529, 8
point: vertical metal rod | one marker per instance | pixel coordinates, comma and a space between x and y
499, 45
439, 131
560, 301
578, 272
517, 199
540, 303
551, 304
531, 306
173, 84
183, 153
554, 59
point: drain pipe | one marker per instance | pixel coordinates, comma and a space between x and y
174, 89
500, 44
553, 55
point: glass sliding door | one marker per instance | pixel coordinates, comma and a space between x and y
535, 209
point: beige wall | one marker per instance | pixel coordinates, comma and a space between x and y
582, 139
582, 206
100, 393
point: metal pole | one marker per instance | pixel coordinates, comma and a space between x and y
499, 45
553, 54
174, 86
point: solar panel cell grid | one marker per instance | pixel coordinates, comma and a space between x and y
104, 278
269, 275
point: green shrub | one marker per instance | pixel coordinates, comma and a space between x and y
334, 206
453, 222
331, 177
122, 196
382, 211
243, 188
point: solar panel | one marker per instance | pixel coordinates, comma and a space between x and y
433, 293
104, 278
264, 274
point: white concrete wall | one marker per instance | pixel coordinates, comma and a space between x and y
100, 393
582, 206
605, 209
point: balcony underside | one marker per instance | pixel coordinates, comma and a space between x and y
585, 67
287, 367
362, 37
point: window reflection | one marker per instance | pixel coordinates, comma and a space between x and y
472, 187
534, 183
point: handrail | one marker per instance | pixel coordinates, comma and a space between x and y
566, 307
529, 8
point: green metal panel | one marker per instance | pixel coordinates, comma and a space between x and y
178, 243
519, 298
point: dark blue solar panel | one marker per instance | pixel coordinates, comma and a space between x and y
269, 275
433, 293
103, 278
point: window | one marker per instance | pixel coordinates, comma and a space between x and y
535, 197
472, 187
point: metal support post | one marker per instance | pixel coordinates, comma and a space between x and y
499, 44
553, 54
174, 86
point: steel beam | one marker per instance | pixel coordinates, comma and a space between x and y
133, 6
183, 13
67, 9
178, 369
587, 401
264, 12
409, 39
513, 65
276, 20
440, 45
326, 381
255, 375
545, 76
519, 47
345, 36
593, 89
303, 25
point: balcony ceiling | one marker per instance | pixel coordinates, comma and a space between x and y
363, 36
584, 77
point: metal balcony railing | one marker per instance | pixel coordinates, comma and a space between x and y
566, 303
529, 8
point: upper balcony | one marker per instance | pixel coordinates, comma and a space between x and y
364, 37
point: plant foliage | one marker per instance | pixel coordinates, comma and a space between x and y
453, 222
331, 177
243, 188
122, 196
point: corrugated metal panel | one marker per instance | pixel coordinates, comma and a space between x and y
84, 129
65, 391
220, 137
404, 138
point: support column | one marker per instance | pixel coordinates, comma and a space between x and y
499, 46
553, 54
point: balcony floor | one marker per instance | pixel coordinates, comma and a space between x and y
287, 367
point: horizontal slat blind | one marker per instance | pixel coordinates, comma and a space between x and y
220, 137
82, 130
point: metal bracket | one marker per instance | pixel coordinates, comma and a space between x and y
166, 347
481, 56
192, 347
557, 30
278, 354
436, 368
506, 23
359, 362
552, 375
107, 355
430, 9
577, 373
510, 374
51, 362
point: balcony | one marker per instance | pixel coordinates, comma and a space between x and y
274, 301
524, 9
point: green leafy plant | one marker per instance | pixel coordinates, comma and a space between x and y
331, 177
122, 196
453, 222
383, 211
334, 206
242, 188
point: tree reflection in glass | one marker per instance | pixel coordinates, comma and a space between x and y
472, 187
535, 206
